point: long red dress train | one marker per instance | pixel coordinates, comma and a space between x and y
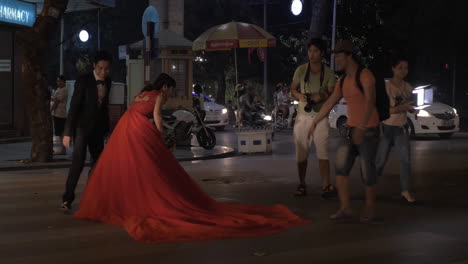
137, 183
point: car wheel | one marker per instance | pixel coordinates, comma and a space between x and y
340, 124
220, 128
410, 129
445, 135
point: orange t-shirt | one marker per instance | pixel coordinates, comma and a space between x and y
356, 100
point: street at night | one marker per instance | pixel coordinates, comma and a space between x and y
434, 231
233, 131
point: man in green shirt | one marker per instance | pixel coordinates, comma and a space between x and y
313, 82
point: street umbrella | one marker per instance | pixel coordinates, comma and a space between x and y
234, 35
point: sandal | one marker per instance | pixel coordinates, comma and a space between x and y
367, 217
329, 192
301, 190
341, 215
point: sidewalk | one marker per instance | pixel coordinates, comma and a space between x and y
15, 156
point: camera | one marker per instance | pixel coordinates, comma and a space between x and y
310, 103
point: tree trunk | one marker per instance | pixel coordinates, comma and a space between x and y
34, 43
320, 13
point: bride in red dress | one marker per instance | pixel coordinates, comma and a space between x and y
137, 183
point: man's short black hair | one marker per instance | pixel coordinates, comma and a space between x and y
317, 42
102, 56
62, 78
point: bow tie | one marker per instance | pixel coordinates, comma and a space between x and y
98, 82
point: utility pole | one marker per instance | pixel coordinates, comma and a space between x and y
332, 57
99, 28
62, 26
265, 62
454, 80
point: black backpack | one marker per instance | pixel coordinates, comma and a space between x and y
382, 101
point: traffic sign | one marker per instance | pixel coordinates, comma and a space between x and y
150, 15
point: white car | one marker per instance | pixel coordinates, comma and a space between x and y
429, 118
216, 114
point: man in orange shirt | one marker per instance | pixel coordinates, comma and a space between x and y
362, 135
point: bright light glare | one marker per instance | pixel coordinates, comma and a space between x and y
224, 111
296, 7
420, 94
84, 35
424, 113
267, 118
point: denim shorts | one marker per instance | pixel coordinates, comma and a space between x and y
367, 151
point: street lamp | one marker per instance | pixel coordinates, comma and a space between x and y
84, 35
296, 7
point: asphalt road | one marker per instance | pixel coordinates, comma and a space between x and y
33, 229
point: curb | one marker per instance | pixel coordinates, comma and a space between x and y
67, 164
14, 140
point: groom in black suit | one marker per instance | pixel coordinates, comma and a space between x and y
88, 121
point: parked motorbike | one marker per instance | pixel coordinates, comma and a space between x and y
184, 123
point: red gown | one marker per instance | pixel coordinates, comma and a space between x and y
137, 183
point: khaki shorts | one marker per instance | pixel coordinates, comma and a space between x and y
303, 143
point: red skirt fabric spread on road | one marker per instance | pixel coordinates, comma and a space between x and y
137, 183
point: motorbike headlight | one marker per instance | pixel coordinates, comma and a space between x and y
224, 111
296, 102
267, 118
424, 113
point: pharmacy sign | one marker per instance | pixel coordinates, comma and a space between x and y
17, 12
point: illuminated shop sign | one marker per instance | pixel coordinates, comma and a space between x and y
17, 12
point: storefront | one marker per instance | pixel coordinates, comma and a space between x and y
14, 15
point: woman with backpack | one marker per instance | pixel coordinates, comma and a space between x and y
394, 131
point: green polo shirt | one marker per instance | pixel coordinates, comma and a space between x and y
313, 86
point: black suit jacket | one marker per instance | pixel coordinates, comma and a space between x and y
85, 115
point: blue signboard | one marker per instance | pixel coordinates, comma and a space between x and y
150, 15
17, 12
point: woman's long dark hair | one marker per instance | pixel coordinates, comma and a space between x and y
163, 79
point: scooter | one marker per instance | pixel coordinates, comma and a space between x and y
280, 122
184, 123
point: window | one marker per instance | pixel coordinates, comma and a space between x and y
179, 73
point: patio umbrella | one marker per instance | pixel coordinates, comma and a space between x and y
234, 35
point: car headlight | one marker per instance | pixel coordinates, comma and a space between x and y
267, 118
423, 113
224, 111
455, 112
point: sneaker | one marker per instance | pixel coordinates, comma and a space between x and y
329, 192
66, 206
